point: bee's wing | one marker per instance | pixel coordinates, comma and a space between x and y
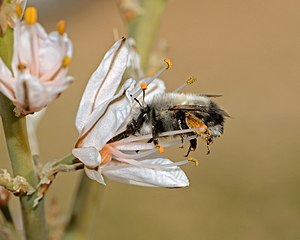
200, 108
223, 113
212, 95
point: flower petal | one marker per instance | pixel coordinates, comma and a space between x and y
31, 95
125, 173
89, 156
27, 41
95, 175
104, 82
102, 127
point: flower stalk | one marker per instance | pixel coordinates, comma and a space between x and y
85, 211
144, 27
19, 152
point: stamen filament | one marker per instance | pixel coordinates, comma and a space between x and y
116, 153
151, 166
164, 134
137, 92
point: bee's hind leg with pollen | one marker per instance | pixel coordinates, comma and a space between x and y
157, 145
209, 140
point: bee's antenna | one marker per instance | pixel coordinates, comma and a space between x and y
189, 81
138, 102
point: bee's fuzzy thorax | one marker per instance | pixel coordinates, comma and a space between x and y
167, 100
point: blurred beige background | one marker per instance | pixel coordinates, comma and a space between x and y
248, 187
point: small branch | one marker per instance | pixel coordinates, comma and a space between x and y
49, 171
17, 185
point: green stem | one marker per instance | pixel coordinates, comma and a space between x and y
85, 210
19, 152
144, 27
68, 160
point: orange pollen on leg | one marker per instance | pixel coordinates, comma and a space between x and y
144, 86
66, 61
61, 27
105, 156
30, 15
169, 63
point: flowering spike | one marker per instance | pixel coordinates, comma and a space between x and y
19, 10
61, 27
169, 63
194, 161
66, 61
30, 15
144, 86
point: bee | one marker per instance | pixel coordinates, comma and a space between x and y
177, 111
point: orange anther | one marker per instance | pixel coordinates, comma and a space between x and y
194, 161
61, 27
169, 63
144, 86
66, 61
19, 10
30, 15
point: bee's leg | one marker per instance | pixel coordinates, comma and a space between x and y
155, 135
208, 149
193, 146
181, 135
209, 140
131, 128
150, 140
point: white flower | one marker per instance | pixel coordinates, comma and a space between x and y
39, 65
103, 113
